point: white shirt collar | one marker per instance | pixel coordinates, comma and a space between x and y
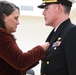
58, 26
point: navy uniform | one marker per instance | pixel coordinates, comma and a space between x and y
61, 55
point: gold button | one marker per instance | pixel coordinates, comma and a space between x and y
54, 48
59, 38
47, 62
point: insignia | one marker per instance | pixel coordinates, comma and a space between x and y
57, 43
45, 1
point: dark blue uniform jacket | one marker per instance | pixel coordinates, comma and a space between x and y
61, 55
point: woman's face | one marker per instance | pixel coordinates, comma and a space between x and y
12, 21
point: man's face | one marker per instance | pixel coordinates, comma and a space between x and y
50, 14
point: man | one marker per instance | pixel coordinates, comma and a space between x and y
61, 55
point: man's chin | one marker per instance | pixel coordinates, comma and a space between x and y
47, 24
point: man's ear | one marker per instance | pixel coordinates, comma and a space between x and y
59, 7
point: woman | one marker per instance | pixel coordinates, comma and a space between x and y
12, 60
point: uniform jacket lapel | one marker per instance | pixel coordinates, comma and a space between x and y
59, 32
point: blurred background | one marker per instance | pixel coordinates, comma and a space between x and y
32, 30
